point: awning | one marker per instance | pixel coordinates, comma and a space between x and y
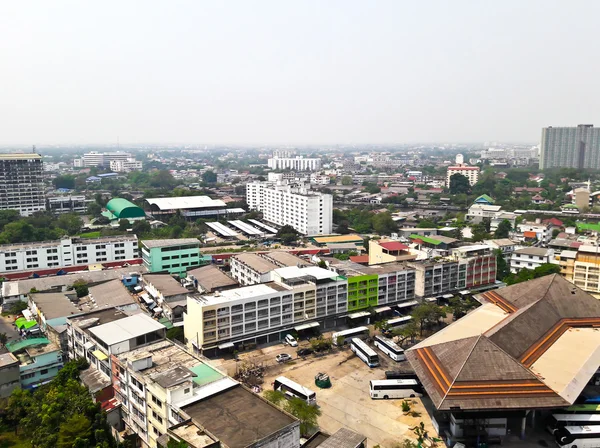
95, 267
448, 296
306, 326
430, 299
465, 292
407, 304
157, 310
146, 298
359, 314
88, 345
27, 314
382, 309
100, 355
137, 288
226, 345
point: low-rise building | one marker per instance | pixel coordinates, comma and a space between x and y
67, 252
566, 260
530, 258
531, 231
388, 251
39, 361
470, 172
174, 256
505, 245
481, 264
191, 207
68, 204
478, 212
10, 375
208, 279
168, 294
251, 269
125, 166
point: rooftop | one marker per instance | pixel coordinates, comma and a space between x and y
509, 353
393, 245
245, 292
20, 156
54, 304
99, 317
343, 438
211, 277
537, 251
338, 239
153, 244
110, 294
255, 262
286, 258
238, 417
311, 271
8, 359
185, 202
501, 242
166, 284
125, 329
192, 435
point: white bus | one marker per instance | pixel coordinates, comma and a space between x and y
395, 389
358, 332
578, 437
364, 352
390, 348
294, 390
399, 321
557, 421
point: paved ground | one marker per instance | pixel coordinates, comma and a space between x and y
347, 403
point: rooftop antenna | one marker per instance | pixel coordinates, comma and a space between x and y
33, 149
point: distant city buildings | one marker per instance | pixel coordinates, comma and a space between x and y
103, 158
297, 163
22, 183
125, 166
570, 147
309, 212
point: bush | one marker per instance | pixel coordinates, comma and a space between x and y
320, 345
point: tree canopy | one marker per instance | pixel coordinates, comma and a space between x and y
459, 184
287, 234
503, 229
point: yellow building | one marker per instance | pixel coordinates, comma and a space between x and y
586, 269
388, 251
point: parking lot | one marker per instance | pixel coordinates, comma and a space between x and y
347, 403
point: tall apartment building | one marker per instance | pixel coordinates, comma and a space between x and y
570, 147
104, 158
22, 183
125, 166
470, 172
67, 252
297, 163
309, 212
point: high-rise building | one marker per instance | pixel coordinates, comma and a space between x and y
104, 158
297, 163
570, 147
309, 212
22, 183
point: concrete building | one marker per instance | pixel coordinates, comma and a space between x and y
174, 256
481, 264
504, 361
104, 158
388, 251
208, 279
470, 172
582, 198
251, 269
586, 268
68, 204
570, 147
10, 375
309, 212
531, 231
297, 163
530, 258
22, 183
505, 245
39, 361
168, 294
478, 212
125, 166
67, 252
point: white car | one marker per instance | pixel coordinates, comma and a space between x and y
290, 340
283, 357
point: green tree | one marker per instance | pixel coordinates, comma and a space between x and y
81, 288
209, 177
176, 444
274, 396
459, 184
176, 333
426, 224
3, 339
502, 269
287, 234
307, 414
383, 224
427, 314
347, 180
94, 209
141, 227
406, 332
76, 428
503, 229
66, 181
162, 179
8, 216
70, 222
123, 224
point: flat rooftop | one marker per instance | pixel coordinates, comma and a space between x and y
238, 417
54, 304
166, 284
126, 329
192, 435
20, 156
311, 271
211, 277
152, 244
99, 317
286, 258
7, 359
256, 262
246, 292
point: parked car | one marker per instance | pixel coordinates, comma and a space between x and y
305, 351
290, 340
283, 357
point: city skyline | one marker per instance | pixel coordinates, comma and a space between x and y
309, 73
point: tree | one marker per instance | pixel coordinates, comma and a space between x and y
176, 333
66, 181
94, 209
177, 444
274, 396
406, 332
8, 216
502, 269
3, 339
123, 224
347, 180
209, 177
503, 229
141, 227
162, 179
81, 288
383, 224
426, 224
307, 414
426, 314
75, 428
287, 234
459, 184
70, 222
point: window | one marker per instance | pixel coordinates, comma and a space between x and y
43, 371
27, 376
156, 401
186, 390
157, 417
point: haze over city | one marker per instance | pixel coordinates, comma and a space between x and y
304, 72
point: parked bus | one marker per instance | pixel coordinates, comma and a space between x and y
396, 375
557, 421
395, 389
390, 348
358, 332
578, 437
583, 409
364, 352
399, 321
294, 390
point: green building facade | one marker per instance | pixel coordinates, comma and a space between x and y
362, 292
175, 256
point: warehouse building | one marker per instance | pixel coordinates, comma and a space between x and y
119, 208
190, 207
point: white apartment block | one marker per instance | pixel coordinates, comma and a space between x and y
251, 269
543, 232
78, 163
297, 163
67, 252
310, 213
22, 183
104, 158
125, 166
477, 212
470, 172
530, 258
319, 179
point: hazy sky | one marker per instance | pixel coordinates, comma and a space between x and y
305, 71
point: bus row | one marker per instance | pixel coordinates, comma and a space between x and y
383, 389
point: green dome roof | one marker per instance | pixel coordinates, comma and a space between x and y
122, 208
